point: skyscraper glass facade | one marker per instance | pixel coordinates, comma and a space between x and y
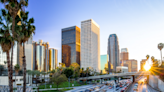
71, 45
41, 56
52, 59
90, 45
113, 52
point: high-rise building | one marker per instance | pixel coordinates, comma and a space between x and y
113, 52
3, 56
53, 58
41, 56
131, 64
71, 45
90, 45
124, 55
66, 55
142, 64
104, 63
28, 54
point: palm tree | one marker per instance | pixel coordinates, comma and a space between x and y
13, 6
160, 47
6, 41
17, 68
152, 58
23, 33
147, 57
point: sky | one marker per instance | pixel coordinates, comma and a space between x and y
139, 24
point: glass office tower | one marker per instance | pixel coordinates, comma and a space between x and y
71, 45
52, 59
90, 45
113, 52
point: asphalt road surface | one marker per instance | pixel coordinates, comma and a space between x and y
142, 87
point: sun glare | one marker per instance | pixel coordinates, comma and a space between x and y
147, 66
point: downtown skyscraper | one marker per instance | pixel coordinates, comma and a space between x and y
71, 45
113, 52
90, 45
53, 59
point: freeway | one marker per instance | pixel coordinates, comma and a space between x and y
142, 87
98, 88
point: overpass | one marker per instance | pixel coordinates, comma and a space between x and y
107, 76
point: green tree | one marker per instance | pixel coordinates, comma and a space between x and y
6, 40
59, 78
17, 68
37, 73
76, 69
13, 6
43, 73
23, 33
68, 72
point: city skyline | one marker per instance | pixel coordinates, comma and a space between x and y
135, 22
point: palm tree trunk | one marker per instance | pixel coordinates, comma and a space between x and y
9, 72
11, 66
24, 67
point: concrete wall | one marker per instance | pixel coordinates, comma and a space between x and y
161, 85
4, 80
153, 81
156, 83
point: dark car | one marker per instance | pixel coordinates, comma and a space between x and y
87, 90
117, 88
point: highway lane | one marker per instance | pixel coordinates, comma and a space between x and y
142, 87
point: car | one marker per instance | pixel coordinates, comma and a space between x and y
121, 86
97, 90
110, 87
136, 84
123, 90
92, 89
87, 90
135, 89
117, 88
